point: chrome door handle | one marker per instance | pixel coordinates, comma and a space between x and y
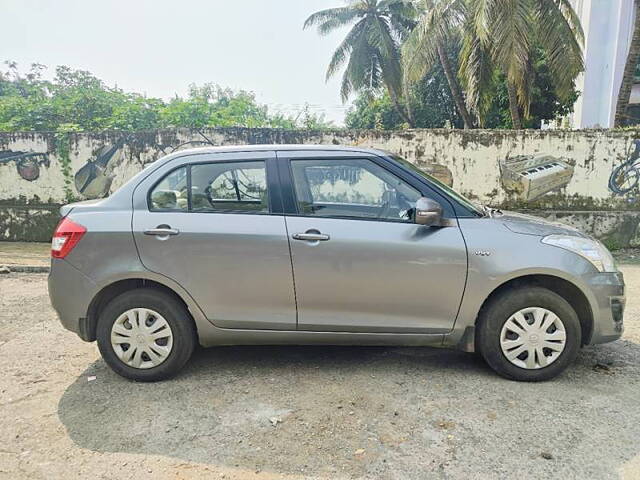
311, 237
162, 232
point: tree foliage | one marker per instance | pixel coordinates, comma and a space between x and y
76, 100
430, 100
370, 52
434, 107
528, 50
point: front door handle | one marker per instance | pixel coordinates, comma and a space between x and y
311, 237
162, 231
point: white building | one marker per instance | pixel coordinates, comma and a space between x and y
608, 28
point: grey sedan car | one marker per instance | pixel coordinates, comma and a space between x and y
322, 245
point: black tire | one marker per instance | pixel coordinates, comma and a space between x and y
500, 308
176, 315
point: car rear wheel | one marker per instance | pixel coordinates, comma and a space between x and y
528, 334
145, 335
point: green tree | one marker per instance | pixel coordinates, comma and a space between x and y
434, 107
371, 49
438, 26
502, 35
76, 100
545, 104
431, 100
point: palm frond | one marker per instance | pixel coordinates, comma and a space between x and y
511, 24
333, 18
382, 39
440, 21
479, 16
363, 71
477, 72
402, 16
419, 54
561, 37
346, 48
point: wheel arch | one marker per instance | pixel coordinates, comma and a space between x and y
563, 287
117, 287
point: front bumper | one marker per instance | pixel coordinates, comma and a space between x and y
70, 292
608, 290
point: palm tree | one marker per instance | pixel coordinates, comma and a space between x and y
439, 24
371, 49
502, 35
629, 72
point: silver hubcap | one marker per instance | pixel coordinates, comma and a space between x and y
533, 338
141, 338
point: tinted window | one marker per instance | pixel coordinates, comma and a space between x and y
351, 188
171, 193
224, 187
240, 186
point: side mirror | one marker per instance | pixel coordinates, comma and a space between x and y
428, 212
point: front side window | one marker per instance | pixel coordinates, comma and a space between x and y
351, 188
214, 187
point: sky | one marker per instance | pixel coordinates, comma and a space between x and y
159, 47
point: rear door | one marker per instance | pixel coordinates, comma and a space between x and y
213, 223
360, 264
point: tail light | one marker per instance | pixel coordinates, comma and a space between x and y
66, 236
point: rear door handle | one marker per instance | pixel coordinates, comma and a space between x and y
311, 237
162, 231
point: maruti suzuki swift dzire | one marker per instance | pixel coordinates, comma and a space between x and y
300, 244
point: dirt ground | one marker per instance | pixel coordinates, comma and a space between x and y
307, 412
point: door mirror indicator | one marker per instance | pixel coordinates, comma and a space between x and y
428, 212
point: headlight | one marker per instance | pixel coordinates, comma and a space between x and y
590, 249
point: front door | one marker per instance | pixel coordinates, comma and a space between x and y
210, 226
360, 264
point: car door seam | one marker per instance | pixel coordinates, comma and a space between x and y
464, 288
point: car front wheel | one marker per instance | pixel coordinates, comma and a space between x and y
145, 335
528, 334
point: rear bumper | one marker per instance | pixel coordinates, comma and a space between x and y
70, 292
609, 292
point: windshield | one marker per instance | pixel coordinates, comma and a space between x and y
447, 189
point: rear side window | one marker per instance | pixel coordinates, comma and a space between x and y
171, 193
234, 187
213, 187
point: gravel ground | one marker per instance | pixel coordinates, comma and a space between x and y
307, 412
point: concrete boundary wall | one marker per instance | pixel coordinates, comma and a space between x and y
561, 174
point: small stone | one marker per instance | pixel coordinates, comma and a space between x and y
275, 421
546, 456
359, 451
4, 270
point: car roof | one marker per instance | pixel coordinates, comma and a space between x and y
278, 148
